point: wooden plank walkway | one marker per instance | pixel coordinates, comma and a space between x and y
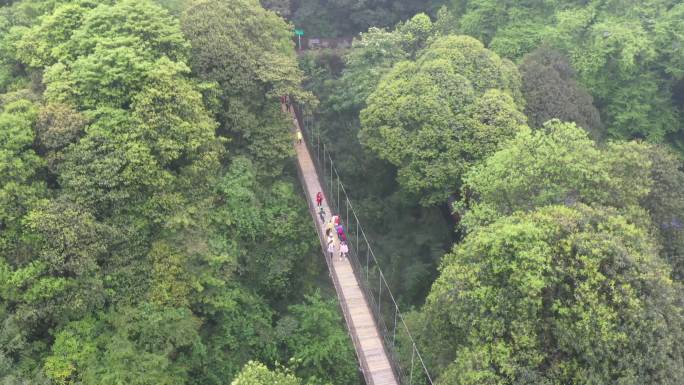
362, 328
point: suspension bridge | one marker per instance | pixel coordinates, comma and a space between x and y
386, 351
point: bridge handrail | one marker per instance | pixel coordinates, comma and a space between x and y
326, 166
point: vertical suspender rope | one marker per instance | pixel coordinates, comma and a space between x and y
346, 215
367, 258
357, 234
379, 290
318, 143
394, 332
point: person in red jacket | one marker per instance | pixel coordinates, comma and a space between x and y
319, 199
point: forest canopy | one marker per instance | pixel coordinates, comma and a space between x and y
517, 167
547, 136
151, 229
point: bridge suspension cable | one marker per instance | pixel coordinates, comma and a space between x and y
400, 345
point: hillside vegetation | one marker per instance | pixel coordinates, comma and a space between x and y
517, 166
151, 229
546, 137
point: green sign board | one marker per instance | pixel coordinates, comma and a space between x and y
299, 32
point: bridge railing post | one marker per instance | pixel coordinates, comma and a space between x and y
367, 260
379, 293
357, 234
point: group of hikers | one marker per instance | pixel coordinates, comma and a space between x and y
335, 224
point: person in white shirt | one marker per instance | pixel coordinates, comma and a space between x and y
344, 249
331, 247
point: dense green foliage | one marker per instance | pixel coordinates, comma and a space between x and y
346, 18
551, 91
251, 69
408, 123
560, 277
151, 231
317, 345
255, 373
560, 295
559, 164
627, 54
567, 265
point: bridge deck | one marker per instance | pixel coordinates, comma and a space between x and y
362, 328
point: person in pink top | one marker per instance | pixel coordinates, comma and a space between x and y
340, 233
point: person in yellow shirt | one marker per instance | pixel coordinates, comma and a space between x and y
329, 227
300, 137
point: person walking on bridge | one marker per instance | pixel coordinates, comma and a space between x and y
300, 137
331, 247
319, 204
330, 225
344, 249
321, 214
340, 233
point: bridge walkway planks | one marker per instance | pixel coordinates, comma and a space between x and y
362, 327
